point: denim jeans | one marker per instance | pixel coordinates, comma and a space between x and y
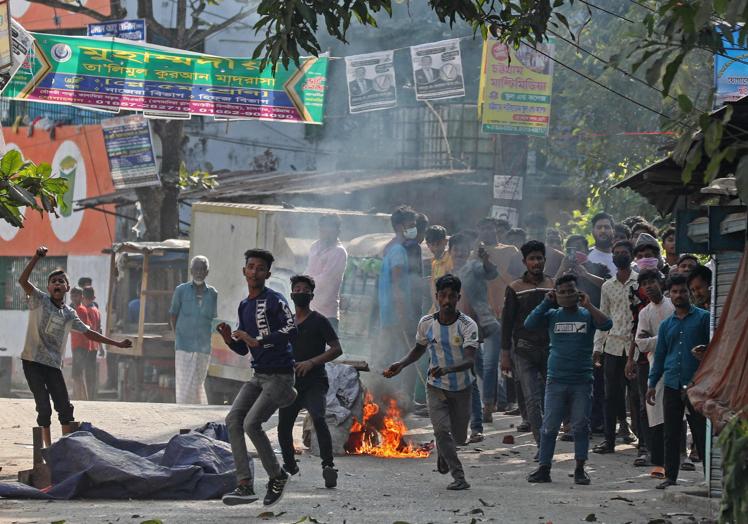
476, 406
560, 399
494, 386
531, 366
255, 403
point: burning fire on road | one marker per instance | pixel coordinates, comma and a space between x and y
381, 433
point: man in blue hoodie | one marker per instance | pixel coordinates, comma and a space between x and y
571, 328
266, 325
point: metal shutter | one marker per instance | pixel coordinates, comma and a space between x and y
726, 267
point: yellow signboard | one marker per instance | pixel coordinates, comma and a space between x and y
516, 85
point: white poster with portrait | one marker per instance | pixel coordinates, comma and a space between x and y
507, 213
371, 81
437, 70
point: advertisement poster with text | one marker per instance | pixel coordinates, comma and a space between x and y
516, 89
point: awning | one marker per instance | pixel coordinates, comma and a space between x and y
661, 183
172, 244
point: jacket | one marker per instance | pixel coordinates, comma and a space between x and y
267, 318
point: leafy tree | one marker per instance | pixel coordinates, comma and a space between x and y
25, 184
159, 204
675, 31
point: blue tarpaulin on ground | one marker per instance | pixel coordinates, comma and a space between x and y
93, 464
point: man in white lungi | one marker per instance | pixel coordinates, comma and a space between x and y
193, 308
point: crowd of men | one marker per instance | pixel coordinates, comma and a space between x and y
581, 340
600, 339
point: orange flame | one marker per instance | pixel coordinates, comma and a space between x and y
386, 441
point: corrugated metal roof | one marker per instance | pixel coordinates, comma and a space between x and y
242, 185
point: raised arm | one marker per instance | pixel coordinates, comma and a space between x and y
536, 318
23, 280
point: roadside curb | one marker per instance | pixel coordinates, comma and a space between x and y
695, 501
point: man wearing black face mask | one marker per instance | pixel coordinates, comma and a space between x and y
314, 333
612, 346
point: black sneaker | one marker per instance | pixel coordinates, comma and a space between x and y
523, 427
581, 477
458, 485
540, 475
291, 470
603, 448
330, 474
276, 487
666, 484
243, 494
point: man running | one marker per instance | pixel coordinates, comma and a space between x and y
315, 332
451, 338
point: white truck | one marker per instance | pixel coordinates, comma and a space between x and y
224, 231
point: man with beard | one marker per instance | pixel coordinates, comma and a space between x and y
681, 343
451, 338
194, 305
602, 232
530, 346
612, 346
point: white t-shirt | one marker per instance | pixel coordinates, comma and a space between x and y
600, 257
47, 333
446, 345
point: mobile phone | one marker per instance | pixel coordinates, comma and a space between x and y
571, 254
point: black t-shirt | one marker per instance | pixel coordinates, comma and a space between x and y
313, 335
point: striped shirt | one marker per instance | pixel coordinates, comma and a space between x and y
446, 345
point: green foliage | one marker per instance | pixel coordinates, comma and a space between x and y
25, 184
620, 203
734, 443
196, 180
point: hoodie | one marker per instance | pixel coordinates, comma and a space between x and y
267, 318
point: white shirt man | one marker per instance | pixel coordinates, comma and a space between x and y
327, 262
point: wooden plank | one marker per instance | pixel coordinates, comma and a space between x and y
143, 300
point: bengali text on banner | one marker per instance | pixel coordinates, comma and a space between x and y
115, 75
516, 89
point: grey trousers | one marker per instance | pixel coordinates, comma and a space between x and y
450, 415
255, 403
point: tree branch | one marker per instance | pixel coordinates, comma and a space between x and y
145, 11
201, 36
181, 23
196, 12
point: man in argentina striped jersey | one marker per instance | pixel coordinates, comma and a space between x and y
451, 338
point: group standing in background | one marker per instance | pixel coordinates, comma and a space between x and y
581, 339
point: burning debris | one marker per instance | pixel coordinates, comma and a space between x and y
381, 433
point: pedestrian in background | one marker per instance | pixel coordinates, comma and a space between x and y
327, 262
194, 305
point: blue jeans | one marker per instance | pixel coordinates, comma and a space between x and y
476, 406
560, 399
494, 386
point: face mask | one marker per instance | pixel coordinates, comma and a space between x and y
647, 263
410, 233
622, 261
567, 300
301, 299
